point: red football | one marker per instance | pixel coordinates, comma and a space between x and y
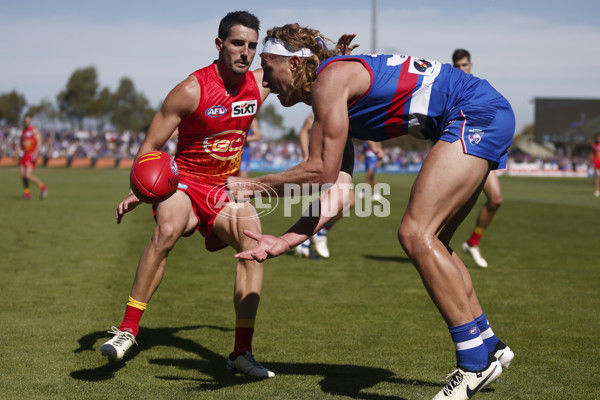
154, 177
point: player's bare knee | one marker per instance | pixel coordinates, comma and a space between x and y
408, 235
494, 203
166, 235
469, 289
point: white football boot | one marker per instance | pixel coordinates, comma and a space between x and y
246, 364
462, 384
116, 347
320, 242
474, 252
377, 197
303, 249
504, 354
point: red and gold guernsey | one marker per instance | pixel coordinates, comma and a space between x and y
596, 147
28, 140
212, 139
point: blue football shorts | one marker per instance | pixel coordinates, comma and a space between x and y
245, 162
371, 162
484, 130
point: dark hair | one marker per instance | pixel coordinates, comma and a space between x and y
243, 18
459, 54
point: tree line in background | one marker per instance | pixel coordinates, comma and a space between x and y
81, 99
81, 104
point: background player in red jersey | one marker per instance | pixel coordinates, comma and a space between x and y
596, 163
461, 59
31, 140
211, 111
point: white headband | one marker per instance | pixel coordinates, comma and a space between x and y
280, 48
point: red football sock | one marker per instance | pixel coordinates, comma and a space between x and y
475, 237
244, 330
133, 314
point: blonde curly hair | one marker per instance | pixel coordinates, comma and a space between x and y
298, 37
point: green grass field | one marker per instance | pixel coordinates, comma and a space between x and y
357, 326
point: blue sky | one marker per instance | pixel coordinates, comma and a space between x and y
526, 49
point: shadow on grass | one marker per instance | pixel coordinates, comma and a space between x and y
338, 379
147, 338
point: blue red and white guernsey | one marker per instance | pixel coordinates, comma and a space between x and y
431, 100
212, 139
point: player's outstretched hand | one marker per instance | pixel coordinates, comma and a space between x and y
267, 247
343, 47
128, 204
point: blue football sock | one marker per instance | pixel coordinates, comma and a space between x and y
487, 334
471, 352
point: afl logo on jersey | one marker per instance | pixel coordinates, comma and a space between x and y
215, 111
243, 108
421, 65
225, 145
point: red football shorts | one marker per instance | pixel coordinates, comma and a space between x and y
26, 161
207, 202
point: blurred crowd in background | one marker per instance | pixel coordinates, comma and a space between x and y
269, 155
266, 155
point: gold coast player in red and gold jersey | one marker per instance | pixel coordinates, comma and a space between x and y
211, 112
31, 140
596, 164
